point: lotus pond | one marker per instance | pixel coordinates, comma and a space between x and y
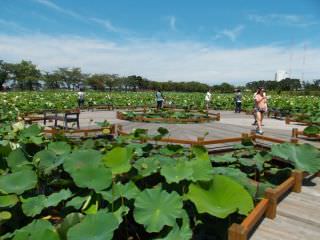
124, 189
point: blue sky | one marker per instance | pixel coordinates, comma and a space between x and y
181, 40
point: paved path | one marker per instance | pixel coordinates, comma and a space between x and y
231, 125
298, 217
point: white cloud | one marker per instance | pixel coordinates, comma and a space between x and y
57, 8
108, 25
232, 34
172, 22
177, 61
102, 22
12, 26
284, 19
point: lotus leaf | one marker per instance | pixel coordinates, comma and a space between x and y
146, 166
59, 148
37, 230
181, 171
155, 208
118, 159
222, 197
128, 191
18, 182
8, 200
98, 226
304, 157
87, 170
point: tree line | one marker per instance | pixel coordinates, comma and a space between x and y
26, 76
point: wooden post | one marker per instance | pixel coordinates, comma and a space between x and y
287, 120
272, 205
298, 178
218, 116
200, 140
294, 140
253, 135
295, 132
237, 232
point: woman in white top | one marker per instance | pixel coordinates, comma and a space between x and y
208, 98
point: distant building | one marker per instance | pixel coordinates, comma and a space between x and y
281, 74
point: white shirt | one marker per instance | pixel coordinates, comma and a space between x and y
208, 97
80, 95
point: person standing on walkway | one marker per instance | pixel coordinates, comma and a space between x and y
260, 108
81, 98
208, 98
159, 99
238, 101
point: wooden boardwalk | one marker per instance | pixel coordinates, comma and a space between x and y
298, 217
231, 125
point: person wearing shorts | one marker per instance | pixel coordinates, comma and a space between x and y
260, 108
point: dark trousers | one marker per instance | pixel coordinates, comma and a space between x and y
238, 107
80, 103
159, 104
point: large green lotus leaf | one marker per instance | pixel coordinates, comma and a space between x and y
97, 178
180, 233
47, 160
155, 208
181, 171
69, 221
147, 166
83, 157
16, 159
87, 170
37, 230
222, 197
59, 148
98, 226
304, 157
128, 191
8, 200
237, 175
18, 182
202, 169
34, 205
118, 159
200, 152
226, 158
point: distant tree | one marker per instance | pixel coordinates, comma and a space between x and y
96, 82
5, 69
26, 75
52, 80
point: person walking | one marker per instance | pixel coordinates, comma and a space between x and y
260, 108
159, 99
208, 98
238, 101
81, 98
